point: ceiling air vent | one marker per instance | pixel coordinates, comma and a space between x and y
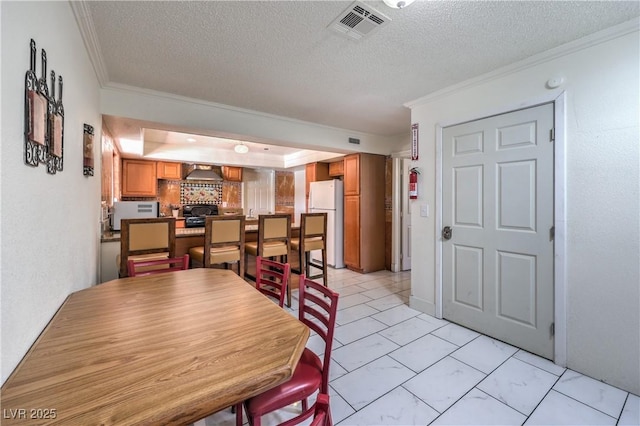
358, 20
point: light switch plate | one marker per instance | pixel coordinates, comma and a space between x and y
424, 210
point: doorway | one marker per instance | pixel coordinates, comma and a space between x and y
259, 192
497, 227
405, 217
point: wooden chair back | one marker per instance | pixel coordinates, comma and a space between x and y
140, 268
318, 306
142, 238
224, 241
272, 278
272, 230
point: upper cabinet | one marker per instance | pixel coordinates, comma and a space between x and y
233, 174
336, 168
315, 172
139, 178
166, 170
352, 174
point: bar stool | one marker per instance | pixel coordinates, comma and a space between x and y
313, 236
274, 240
223, 243
146, 239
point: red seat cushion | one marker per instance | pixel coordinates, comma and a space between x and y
305, 381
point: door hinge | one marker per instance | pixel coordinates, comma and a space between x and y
552, 329
552, 135
552, 233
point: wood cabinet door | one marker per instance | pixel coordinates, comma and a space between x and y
139, 178
232, 174
168, 170
336, 168
352, 231
352, 174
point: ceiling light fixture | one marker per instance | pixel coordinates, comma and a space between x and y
191, 140
398, 4
241, 148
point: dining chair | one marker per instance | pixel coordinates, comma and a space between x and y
140, 268
313, 236
317, 310
274, 241
146, 239
322, 415
272, 279
223, 243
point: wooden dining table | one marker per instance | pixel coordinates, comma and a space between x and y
170, 348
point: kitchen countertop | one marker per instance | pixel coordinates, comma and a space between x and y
110, 236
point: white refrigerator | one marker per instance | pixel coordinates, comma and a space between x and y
328, 197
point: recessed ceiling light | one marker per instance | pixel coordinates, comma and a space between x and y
398, 4
241, 148
191, 140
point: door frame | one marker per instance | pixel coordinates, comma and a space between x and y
559, 211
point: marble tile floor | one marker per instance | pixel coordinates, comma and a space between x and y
393, 365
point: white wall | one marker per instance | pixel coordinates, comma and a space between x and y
602, 194
49, 223
225, 121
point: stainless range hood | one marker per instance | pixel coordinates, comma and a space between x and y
202, 172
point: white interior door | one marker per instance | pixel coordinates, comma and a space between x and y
498, 203
259, 192
406, 217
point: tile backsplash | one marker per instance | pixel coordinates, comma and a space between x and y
200, 193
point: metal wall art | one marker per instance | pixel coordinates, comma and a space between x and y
44, 117
87, 152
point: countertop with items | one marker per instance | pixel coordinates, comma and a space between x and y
109, 236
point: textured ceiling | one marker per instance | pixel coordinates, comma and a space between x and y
279, 57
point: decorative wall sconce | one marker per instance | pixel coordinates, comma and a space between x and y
87, 150
44, 117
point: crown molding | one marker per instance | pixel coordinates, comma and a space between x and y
532, 61
87, 31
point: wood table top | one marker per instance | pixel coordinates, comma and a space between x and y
162, 349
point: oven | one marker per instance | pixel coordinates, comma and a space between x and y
194, 214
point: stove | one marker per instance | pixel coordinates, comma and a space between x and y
194, 214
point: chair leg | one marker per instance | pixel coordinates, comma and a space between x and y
307, 263
289, 290
324, 267
238, 409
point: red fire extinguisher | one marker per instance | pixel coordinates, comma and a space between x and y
413, 183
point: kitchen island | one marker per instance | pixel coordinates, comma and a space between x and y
186, 238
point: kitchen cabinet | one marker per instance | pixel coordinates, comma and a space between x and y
166, 170
232, 174
336, 168
315, 172
351, 168
364, 216
139, 178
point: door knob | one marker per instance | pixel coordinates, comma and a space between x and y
446, 233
